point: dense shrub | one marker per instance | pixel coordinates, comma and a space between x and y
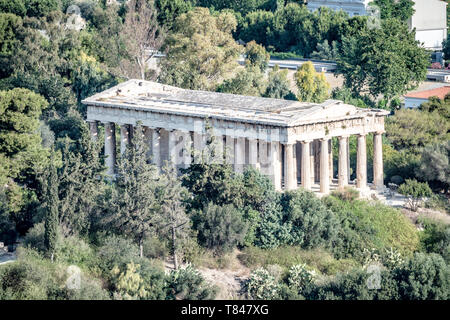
116, 251
220, 228
436, 238
415, 192
371, 225
424, 277
262, 286
154, 248
72, 250
271, 232
32, 277
144, 281
188, 284
35, 237
312, 223
288, 256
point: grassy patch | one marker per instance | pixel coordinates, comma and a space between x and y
288, 256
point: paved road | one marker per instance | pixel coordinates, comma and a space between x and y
7, 257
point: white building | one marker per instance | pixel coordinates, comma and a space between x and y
289, 141
430, 22
415, 99
352, 7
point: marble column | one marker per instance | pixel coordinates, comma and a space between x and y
148, 140
289, 163
361, 163
218, 152
263, 158
239, 155
156, 147
172, 147
312, 164
110, 147
378, 160
187, 149
343, 159
306, 164
230, 150
330, 159
124, 137
275, 165
324, 167
93, 129
253, 153
198, 146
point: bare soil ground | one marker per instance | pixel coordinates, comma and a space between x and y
428, 213
229, 280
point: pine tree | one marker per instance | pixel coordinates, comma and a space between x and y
133, 206
174, 222
51, 211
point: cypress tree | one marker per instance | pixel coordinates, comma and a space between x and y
51, 211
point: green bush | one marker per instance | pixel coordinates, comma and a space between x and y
144, 281
72, 250
311, 223
154, 248
116, 251
288, 256
435, 238
262, 286
353, 285
188, 284
424, 277
35, 237
220, 228
415, 192
371, 225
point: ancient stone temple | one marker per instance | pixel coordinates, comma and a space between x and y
289, 141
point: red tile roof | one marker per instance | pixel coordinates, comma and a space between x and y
439, 92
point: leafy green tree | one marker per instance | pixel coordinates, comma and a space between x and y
256, 56
20, 141
132, 206
367, 62
248, 81
16, 7
400, 9
80, 183
412, 130
220, 228
201, 50
312, 86
446, 46
257, 26
434, 165
140, 33
325, 51
278, 85
40, 8
169, 10
10, 36
51, 202
415, 191
441, 106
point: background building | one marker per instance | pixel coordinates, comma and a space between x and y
415, 99
352, 7
430, 22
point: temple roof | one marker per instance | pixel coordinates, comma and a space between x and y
156, 97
